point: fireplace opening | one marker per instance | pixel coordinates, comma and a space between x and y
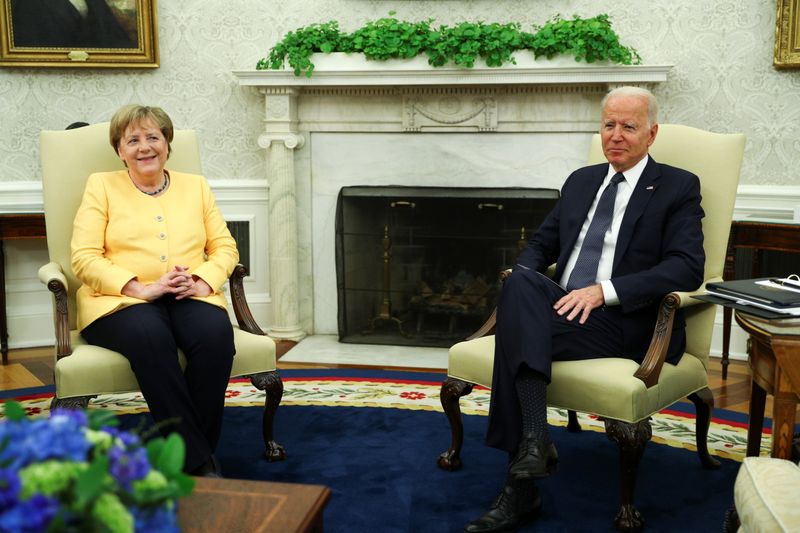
419, 266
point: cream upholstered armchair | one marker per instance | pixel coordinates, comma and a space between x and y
83, 371
620, 391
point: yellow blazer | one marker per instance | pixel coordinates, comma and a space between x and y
120, 233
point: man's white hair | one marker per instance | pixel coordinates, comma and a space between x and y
637, 92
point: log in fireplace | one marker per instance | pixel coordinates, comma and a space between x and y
420, 266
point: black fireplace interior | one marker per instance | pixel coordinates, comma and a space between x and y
420, 266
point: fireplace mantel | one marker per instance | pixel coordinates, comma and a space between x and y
557, 101
344, 70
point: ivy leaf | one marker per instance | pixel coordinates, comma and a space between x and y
591, 39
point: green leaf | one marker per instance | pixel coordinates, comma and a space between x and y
184, 483
171, 456
14, 410
593, 39
99, 418
90, 482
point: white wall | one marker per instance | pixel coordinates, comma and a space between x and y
723, 81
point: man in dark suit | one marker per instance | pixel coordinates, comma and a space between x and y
623, 234
67, 24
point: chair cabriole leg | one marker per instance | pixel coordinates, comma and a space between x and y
703, 401
78, 402
573, 426
451, 392
631, 439
271, 383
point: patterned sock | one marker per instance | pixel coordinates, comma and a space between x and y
532, 391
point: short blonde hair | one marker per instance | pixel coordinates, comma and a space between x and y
638, 92
136, 114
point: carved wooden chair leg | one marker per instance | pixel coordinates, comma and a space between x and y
703, 401
78, 402
731, 523
573, 426
271, 383
631, 439
450, 394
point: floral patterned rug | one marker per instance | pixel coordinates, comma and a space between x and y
420, 391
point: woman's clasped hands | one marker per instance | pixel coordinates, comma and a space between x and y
178, 282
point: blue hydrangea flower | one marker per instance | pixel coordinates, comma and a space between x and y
128, 466
30, 515
14, 443
66, 438
61, 436
9, 488
129, 440
162, 519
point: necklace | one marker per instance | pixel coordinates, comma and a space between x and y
157, 191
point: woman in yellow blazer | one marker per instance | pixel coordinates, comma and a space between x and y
153, 251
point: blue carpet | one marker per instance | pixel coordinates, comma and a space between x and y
380, 465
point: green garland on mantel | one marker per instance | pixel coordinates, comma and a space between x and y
591, 40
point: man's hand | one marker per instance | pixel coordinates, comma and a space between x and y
580, 302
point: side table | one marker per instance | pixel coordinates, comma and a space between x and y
244, 506
774, 360
759, 235
14, 226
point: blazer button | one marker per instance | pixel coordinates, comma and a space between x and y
163, 258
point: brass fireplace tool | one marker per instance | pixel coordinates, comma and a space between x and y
385, 314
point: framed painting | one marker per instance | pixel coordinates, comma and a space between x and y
78, 33
787, 34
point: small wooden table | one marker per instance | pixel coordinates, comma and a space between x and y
14, 226
774, 360
237, 505
760, 235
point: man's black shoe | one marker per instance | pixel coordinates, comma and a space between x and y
517, 504
534, 458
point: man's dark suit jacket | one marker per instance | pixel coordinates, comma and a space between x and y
659, 247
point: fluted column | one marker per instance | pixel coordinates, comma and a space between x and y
280, 140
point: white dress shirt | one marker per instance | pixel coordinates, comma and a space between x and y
624, 191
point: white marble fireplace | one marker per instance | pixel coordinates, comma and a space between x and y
366, 123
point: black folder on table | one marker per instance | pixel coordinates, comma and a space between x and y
751, 291
750, 309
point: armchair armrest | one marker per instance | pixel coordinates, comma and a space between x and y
650, 369
686, 298
53, 276
52, 272
240, 308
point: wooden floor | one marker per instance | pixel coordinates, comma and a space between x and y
33, 367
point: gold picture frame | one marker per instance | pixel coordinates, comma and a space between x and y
78, 33
787, 34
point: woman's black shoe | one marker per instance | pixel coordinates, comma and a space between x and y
208, 469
